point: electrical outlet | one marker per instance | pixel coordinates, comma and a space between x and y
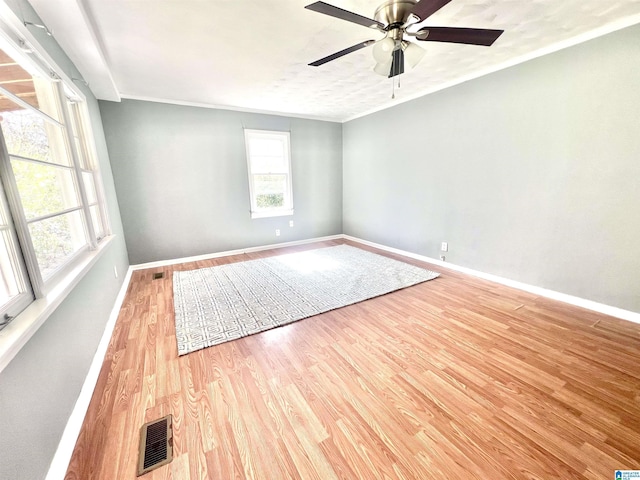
444, 247
291, 223
277, 232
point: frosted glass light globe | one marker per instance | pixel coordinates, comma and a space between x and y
383, 68
413, 54
382, 49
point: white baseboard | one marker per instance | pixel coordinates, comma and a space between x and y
62, 457
227, 253
543, 292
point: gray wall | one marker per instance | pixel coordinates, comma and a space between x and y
39, 388
181, 178
531, 173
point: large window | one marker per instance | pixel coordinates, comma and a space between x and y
269, 166
51, 203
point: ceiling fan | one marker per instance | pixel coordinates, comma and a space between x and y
393, 17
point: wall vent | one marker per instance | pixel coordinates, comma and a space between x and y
156, 445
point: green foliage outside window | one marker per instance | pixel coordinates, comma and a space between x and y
40, 187
270, 200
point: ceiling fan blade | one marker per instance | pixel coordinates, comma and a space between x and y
470, 36
342, 14
426, 8
341, 53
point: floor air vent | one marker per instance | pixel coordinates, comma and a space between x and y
156, 446
156, 276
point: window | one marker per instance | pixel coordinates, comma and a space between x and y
15, 293
269, 166
51, 203
89, 170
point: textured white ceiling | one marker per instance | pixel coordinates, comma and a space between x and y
253, 54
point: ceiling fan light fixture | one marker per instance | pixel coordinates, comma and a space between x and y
394, 17
383, 68
382, 50
412, 53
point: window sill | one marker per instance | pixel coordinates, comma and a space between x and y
272, 213
15, 335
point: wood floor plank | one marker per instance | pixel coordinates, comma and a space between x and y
453, 378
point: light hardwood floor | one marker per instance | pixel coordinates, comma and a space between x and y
456, 378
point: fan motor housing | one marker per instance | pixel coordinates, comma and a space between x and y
394, 13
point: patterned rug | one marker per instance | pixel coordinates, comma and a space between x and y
218, 304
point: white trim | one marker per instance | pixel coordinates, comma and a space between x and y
605, 30
227, 253
543, 292
76, 33
272, 213
598, 32
585, 37
62, 457
228, 107
63, 454
98, 46
19, 28
78, 6
15, 335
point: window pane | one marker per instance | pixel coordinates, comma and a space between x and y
44, 189
55, 239
271, 147
96, 218
17, 80
28, 135
269, 190
36, 91
268, 165
90, 187
22, 88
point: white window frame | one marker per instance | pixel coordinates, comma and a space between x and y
41, 285
45, 297
80, 119
285, 138
25, 294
